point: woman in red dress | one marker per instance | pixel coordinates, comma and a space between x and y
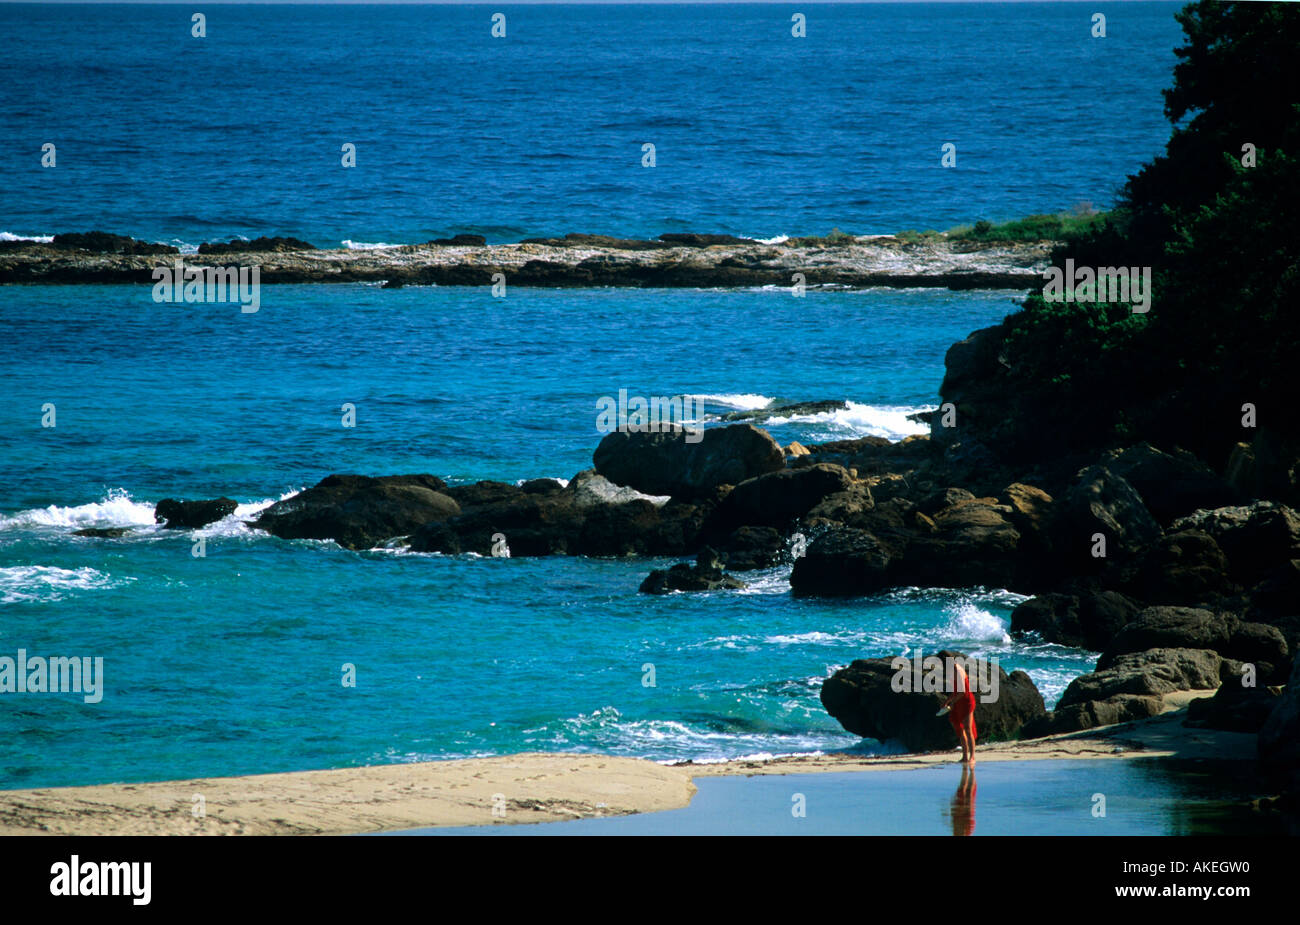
961, 714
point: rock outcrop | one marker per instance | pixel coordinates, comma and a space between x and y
175, 514
669, 463
358, 511
861, 696
705, 574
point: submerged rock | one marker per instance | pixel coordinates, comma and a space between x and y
176, 514
107, 533
705, 575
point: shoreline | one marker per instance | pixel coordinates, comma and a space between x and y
521, 789
575, 261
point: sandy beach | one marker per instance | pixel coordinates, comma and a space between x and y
517, 789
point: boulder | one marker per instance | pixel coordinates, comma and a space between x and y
1194, 628
1233, 708
1122, 708
862, 699
1102, 502
778, 499
175, 514
1171, 484
1153, 672
972, 543
1131, 688
841, 562
358, 511
1088, 619
705, 575
1170, 628
1257, 538
1030, 509
1186, 567
665, 463
749, 548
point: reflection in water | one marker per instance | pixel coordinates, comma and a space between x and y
963, 803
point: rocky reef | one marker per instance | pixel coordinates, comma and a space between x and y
576, 260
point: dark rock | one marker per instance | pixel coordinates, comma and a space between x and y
936, 501
665, 463
1153, 672
359, 512
787, 410
973, 544
104, 243
1122, 708
1170, 628
705, 575
1233, 709
590, 516
108, 533
1088, 619
259, 245
861, 697
1186, 567
847, 507
175, 514
841, 562
701, 240
1102, 502
461, 240
777, 499
749, 548
1194, 628
1171, 484
1257, 538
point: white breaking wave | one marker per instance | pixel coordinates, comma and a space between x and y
35, 238
364, 246
44, 583
862, 420
738, 401
970, 623
779, 239
117, 509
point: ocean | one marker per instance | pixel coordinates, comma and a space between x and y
231, 663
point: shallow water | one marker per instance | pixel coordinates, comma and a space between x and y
1142, 796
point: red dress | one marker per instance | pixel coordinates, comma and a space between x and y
963, 707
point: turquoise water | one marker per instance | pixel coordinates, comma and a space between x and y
232, 663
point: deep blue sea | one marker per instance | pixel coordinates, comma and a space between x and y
231, 663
